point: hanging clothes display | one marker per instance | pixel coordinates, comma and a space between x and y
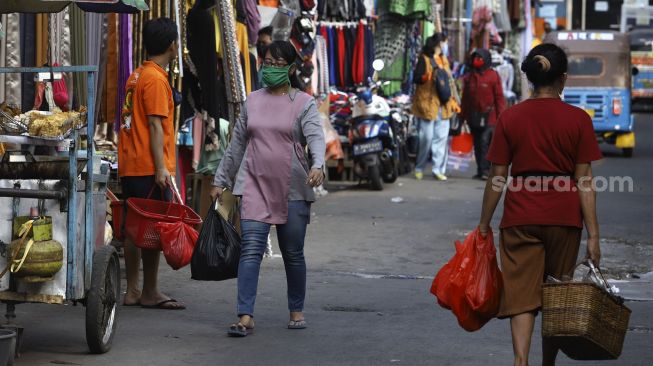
243, 46
507, 73
232, 69
526, 45
370, 51
10, 57
78, 54
201, 42
42, 39
414, 41
349, 52
358, 65
513, 44
124, 63
28, 58
344, 9
96, 37
516, 14
253, 20
60, 37
484, 31
406, 8
209, 160
111, 88
501, 16
269, 3
3, 47
390, 38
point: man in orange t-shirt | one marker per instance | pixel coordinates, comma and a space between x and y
146, 152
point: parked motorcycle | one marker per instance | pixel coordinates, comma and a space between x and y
372, 136
400, 111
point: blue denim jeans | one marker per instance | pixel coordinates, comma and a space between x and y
291, 242
433, 139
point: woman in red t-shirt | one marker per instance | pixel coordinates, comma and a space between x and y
547, 146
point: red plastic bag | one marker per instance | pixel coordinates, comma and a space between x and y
483, 291
470, 283
441, 286
178, 241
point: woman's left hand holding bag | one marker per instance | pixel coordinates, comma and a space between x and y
315, 178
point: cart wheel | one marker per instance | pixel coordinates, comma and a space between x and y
102, 300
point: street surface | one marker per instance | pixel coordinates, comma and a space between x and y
371, 262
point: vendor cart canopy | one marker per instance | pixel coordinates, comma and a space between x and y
55, 6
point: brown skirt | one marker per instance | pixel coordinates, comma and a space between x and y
528, 255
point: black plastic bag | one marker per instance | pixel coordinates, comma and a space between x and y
217, 252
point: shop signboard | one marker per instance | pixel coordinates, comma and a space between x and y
601, 6
585, 36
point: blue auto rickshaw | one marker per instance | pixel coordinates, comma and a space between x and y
641, 52
599, 81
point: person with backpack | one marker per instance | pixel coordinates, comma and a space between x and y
482, 103
433, 105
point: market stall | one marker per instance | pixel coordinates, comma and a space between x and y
52, 206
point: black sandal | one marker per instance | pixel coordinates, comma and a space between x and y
239, 330
297, 324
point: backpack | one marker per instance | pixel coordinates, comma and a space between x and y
442, 83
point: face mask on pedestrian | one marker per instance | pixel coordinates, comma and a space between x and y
478, 62
445, 48
274, 76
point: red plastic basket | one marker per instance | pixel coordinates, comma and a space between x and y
143, 214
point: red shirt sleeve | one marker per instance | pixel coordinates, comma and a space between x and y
499, 152
588, 148
156, 98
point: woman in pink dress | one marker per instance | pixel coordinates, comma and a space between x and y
266, 164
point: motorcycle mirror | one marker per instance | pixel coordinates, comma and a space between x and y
378, 64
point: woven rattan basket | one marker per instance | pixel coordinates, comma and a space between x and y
584, 320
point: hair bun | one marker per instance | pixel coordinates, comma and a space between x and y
544, 62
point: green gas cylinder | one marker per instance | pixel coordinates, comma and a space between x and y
43, 260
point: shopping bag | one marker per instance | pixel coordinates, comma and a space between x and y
484, 285
464, 142
441, 286
178, 241
458, 161
470, 283
217, 252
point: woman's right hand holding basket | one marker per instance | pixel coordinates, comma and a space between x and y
594, 250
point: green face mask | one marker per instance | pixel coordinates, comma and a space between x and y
275, 76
